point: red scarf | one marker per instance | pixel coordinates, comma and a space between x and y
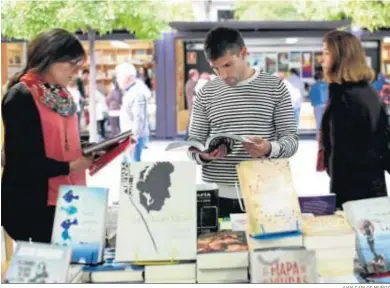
55, 97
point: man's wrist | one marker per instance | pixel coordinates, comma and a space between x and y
200, 159
274, 150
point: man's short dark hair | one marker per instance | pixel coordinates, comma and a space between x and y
220, 40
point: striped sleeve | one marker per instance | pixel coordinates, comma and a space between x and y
199, 126
286, 144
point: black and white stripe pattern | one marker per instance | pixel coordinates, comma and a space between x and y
259, 106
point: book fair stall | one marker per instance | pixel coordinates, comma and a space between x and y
165, 229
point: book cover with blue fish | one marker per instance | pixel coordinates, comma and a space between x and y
370, 219
80, 222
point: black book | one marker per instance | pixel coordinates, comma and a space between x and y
207, 208
90, 149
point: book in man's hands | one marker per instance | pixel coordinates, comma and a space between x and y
212, 143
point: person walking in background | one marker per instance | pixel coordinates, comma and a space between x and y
77, 98
134, 112
42, 142
203, 79
380, 82
101, 113
318, 96
354, 123
82, 83
298, 93
193, 77
114, 102
382, 85
144, 76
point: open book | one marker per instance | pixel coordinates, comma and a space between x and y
211, 144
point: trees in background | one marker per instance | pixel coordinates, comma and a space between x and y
146, 19
368, 14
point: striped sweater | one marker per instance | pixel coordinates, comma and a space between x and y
260, 105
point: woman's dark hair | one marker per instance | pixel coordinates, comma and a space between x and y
49, 47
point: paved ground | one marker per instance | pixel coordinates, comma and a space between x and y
306, 179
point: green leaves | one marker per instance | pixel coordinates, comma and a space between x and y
368, 14
25, 19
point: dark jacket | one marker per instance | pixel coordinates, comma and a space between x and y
25, 179
352, 135
114, 100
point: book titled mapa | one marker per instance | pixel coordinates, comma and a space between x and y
80, 222
283, 266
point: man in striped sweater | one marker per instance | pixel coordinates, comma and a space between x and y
242, 101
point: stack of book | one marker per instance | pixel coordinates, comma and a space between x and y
333, 240
222, 258
112, 272
171, 273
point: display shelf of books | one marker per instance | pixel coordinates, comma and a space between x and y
154, 234
109, 54
15, 55
386, 59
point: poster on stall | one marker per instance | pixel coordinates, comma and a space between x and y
191, 58
257, 61
307, 65
296, 61
283, 62
271, 62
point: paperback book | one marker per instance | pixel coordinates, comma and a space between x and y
157, 213
270, 199
39, 263
79, 222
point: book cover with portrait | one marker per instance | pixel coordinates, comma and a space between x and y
157, 215
38, 263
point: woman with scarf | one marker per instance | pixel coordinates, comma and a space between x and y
353, 139
42, 144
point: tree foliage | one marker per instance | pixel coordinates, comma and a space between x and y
25, 19
368, 14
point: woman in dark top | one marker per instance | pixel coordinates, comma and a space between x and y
42, 145
144, 76
353, 124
